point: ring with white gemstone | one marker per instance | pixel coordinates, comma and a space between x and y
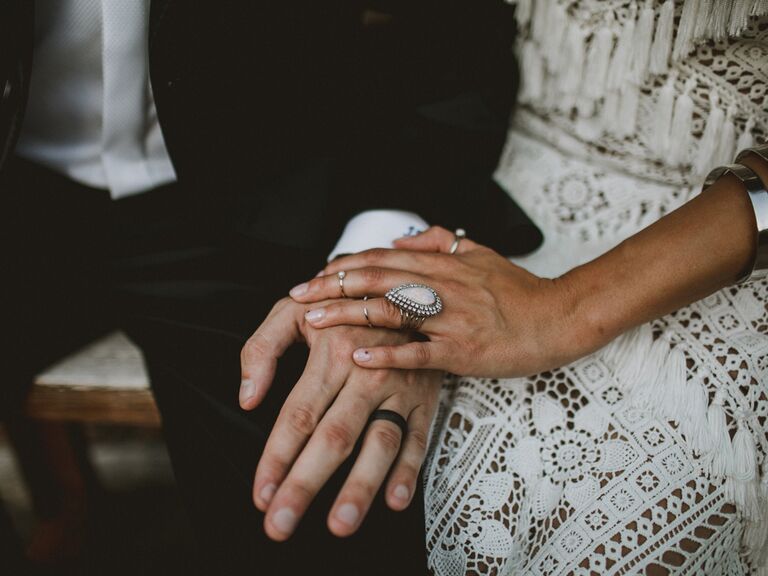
416, 303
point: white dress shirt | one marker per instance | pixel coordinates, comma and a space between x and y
91, 115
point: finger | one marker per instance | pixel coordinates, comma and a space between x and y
379, 450
436, 239
380, 313
296, 422
402, 481
409, 261
328, 447
259, 355
369, 281
411, 356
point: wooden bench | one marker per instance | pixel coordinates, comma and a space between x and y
105, 382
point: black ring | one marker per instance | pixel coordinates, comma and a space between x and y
391, 416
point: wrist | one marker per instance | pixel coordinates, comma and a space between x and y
590, 321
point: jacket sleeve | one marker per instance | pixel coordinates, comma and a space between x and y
435, 90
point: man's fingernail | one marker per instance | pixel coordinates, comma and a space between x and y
299, 290
284, 520
401, 492
267, 492
315, 315
247, 390
348, 514
361, 355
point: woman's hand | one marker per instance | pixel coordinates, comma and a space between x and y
497, 318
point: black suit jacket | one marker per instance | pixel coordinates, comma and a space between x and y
284, 119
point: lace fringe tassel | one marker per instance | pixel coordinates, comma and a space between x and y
552, 46
702, 27
720, 457
539, 21
533, 79
742, 481
622, 56
598, 58
719, 18
650, 387
694, 423
684, 43
642, 43
739, 16
760, 8
575, 48
727, 148
755, 537
746, 140
523, 12
662, 119
712, 137
627, 356
628, 105
671, 386
662, 39
682, 121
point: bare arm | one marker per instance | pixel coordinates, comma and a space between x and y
500, 320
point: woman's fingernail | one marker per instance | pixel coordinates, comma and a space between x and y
348, 514
299, 290
284, 520
401, 492
247, 390
321, 273
315, 315
267, 492
361, 355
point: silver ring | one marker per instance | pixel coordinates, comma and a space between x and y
416, 303
341, 275
365, 312
458, 236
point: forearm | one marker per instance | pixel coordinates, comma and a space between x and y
703, 246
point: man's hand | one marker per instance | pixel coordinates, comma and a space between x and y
325, 414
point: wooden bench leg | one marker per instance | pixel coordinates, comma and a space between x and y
53, 461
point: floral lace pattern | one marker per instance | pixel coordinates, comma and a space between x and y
645, 457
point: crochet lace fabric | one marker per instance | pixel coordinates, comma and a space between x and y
649, 455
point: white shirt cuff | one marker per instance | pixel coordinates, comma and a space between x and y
377, 229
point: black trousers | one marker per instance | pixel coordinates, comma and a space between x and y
77, 264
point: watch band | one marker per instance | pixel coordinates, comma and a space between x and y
758, 196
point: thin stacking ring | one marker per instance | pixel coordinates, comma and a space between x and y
458, 236
341, 275
365, 312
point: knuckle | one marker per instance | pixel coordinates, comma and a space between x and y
389, 313
339, 438
298, 492
387, 354
374, 255
302, 420
372, 275
406, 472
422, 355
255, 348
362, 492
419, 439
387, 435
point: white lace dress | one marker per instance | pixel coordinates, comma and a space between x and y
649, 455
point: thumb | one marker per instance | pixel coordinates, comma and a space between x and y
258, 358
